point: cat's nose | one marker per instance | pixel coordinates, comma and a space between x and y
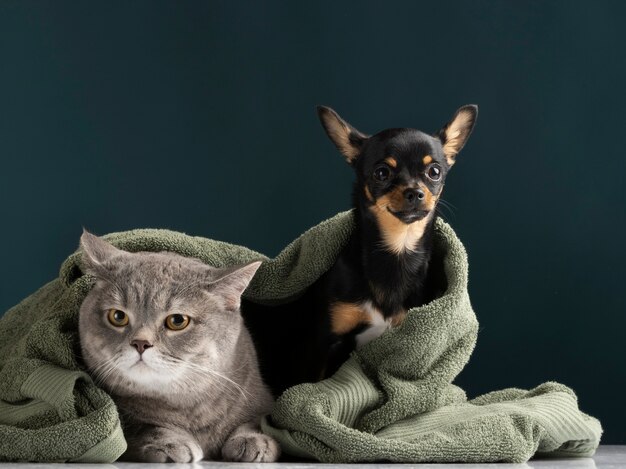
140, 345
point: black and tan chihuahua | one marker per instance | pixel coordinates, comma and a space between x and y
383, 270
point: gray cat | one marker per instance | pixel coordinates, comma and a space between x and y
163, 335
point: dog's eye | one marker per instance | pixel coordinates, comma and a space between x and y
382, 173
434, 172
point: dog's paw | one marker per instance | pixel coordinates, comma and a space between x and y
251, 447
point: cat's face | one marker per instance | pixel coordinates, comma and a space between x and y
156, 323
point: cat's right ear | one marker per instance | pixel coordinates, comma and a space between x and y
96, 251
231, 282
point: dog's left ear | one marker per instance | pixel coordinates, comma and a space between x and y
348, 140
454, 135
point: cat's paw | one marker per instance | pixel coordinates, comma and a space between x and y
178, 452
251, 447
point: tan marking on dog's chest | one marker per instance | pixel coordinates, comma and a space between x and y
378, 324
345, 317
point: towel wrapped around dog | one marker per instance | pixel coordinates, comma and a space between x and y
394, 400
391, 401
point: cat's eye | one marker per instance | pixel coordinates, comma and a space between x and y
434, 172
176, 322
117, 318
382, 173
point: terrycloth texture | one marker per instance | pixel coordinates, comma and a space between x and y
50, 410
392, 400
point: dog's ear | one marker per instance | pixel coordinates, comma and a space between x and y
455, 133
348, 140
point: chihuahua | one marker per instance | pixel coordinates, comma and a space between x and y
384, 270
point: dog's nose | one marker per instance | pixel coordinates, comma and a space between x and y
140, 345
413, 195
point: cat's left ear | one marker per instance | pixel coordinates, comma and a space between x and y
231, 282
96, 252
455, 133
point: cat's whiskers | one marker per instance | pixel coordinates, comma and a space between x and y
110, 368
103, 375
107, 370
243, 392
228, 387
172, 366
186, 382
209, 373
104, 369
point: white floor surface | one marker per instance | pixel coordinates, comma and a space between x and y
607, 457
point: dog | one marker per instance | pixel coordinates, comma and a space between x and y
384, 270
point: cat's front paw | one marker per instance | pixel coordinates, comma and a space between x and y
178, 452
251, 447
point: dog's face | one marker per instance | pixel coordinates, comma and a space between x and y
400, 171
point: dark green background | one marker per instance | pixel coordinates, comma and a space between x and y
199, 117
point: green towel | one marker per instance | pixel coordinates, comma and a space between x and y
393, 399
374, 408
50, 410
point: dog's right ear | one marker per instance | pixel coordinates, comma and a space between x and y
348, 140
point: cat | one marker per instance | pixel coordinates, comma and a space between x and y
163, 335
